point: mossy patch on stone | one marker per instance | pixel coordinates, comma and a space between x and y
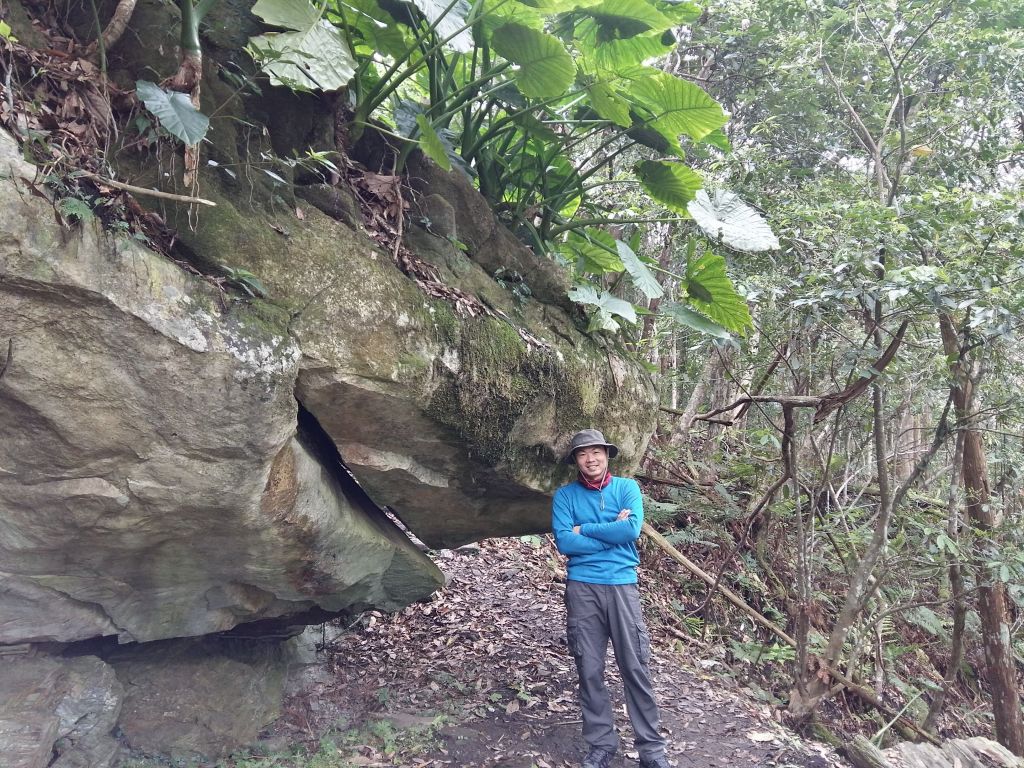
268, 317
499, 379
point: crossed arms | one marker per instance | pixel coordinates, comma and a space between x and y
588, 538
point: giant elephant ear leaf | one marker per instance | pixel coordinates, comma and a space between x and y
676, 106
643, 278
620, 19
546, 69
711, 291
609, 105
175, 111
431, 144
673, 185
608, 308
595, 251
727, 218
449, 22
620, 55
312, 55
686, 316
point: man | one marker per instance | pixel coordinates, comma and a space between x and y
596, 521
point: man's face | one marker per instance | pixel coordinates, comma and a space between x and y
592, 462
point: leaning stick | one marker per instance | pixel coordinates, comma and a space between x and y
863, 693
144, 191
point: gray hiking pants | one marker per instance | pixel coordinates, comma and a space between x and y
595, 613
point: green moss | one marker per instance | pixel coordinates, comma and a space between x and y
498, 380
413, 365
491, 347
266, 318
445, 323
203, 302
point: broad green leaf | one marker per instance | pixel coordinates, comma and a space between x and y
595, 249
618, 55
718, 139
727, 218
501, 12
659, 142
287, 14
712, 292
691, 319
697, 291
679, 12
569, 209
314, 56
643, 278
448, 21
612, 305
677, 106
410, 119
616, 306
545, 69
551, 6
175, 112
671, 184
5, 32
609, 104
585, 294
430, 143
374, 26
602, 320
619, 19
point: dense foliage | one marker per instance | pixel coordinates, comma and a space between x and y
884, 142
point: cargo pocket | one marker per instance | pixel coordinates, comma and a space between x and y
643, 643
572, 637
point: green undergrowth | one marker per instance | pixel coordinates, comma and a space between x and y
377, 742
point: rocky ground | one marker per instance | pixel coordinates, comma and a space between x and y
480, 676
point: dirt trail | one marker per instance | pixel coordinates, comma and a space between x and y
484, 666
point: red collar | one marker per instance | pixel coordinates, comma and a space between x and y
594, 486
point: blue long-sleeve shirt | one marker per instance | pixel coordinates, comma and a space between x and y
604, 551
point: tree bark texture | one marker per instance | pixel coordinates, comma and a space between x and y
1000, 668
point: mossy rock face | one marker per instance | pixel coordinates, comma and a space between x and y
455, 422
153, 485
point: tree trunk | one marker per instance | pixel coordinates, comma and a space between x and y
1000, 670
992, 602
681, 432
956, 586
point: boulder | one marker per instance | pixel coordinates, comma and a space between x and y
455, 421
152, 483
58, 713
196, 699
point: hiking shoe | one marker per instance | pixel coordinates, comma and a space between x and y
654, 762
599, 758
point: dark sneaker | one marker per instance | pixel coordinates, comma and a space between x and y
654, 762
599, 758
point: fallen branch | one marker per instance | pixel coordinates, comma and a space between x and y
731, 596
864, 694
144, 191
115, 27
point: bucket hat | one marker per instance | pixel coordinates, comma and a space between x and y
586, 438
